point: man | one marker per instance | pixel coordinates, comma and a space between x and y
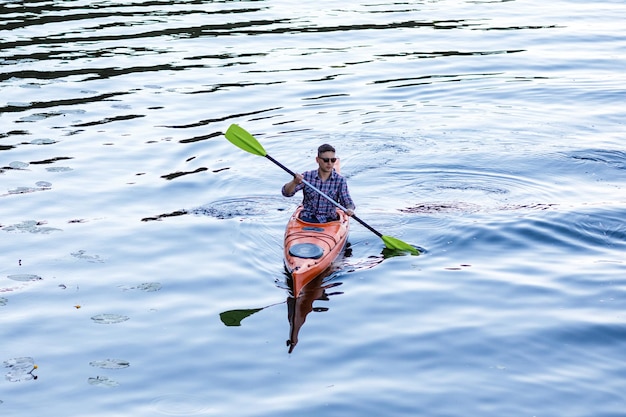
317, 209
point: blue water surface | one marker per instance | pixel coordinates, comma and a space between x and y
141, 266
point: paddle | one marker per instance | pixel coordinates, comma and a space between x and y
234, 317
239, 137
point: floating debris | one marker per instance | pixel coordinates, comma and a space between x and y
3, 301
110, 364
41, 186
89, 258
30, 226
58, 169
20, 369
24, 277
22, 190
109, 318
42, 142
146, 286
103, 381
149, 286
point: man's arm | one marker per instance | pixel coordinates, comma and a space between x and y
345, 199
289, 189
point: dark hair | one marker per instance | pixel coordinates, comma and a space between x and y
325, 148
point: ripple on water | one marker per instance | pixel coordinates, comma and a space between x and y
469, 190
109, 318
562, 230
256, 206
612, 158
242, 207
110, 364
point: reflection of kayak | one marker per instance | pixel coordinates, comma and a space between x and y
311, 248
298, 308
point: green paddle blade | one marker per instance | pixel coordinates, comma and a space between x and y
234, 317
240, 137
396, 244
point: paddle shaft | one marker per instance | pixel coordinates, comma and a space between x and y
308, 184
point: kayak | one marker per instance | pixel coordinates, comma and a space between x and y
311, 248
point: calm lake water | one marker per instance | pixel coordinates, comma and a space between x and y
141, 253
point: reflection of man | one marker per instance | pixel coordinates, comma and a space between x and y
299, 308
316, 208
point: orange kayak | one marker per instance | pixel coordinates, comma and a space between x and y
311, 248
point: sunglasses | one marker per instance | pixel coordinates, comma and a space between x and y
327, 160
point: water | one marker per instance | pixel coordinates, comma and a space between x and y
488, 133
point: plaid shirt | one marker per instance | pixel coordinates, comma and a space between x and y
317, 206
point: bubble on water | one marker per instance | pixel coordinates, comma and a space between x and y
58, 169
43, 184
109, 318
110, 364
24, 277
103, 381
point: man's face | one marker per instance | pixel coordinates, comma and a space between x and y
326, 161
